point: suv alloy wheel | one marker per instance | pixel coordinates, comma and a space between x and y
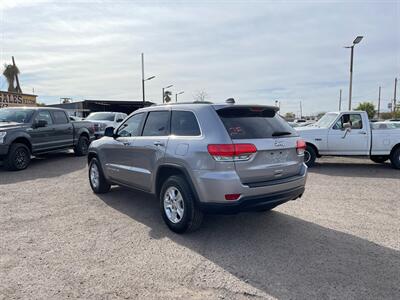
178, 206
98, 182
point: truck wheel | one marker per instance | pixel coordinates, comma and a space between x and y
81, 148
178, 206
379, 159
18, 158
395, 158
98, 182
310, 156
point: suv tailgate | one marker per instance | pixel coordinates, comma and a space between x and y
276, 142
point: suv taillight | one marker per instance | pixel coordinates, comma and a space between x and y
300, 147
231, 152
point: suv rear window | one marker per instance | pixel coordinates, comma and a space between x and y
254, 123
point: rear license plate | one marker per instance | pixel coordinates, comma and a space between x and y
279, 156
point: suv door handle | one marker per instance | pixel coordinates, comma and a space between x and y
362, 132
158, 143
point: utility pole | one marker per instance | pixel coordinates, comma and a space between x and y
340, 100
394, 98
301, 111
379, 103
278, 104
143, 80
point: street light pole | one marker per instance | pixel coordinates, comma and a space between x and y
351, 76
340, 100
356, 41
143, 80
176, 95
163, 91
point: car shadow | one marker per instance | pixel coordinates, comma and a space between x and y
350, 169
284, 256
45, 166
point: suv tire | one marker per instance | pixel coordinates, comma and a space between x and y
81, 148
310, 156
379, 159
18, 158
395, 158
178, 206
98, 182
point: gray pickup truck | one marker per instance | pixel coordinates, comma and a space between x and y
33, 131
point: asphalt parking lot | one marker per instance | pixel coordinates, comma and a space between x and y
59, 240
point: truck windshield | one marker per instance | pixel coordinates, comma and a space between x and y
16, 115
101, 116
326, 120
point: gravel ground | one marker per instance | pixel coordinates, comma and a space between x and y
58, 240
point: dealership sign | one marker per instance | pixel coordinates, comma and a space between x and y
8, 99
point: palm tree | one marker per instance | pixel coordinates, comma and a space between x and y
10, 72
167, 96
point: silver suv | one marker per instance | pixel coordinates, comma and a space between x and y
202, 158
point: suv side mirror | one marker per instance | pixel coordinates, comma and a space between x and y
41, 123
109, 132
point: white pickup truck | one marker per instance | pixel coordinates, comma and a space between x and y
349, 133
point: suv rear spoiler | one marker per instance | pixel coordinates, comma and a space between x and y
243, 110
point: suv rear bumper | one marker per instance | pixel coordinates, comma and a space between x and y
211, 188
252, 203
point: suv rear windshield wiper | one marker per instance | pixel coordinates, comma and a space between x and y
281, 133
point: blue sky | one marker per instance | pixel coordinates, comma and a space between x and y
254, 51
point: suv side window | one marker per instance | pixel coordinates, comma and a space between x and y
60, 117
157, 124
44, 115
184, 123
132, 126
355, 121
